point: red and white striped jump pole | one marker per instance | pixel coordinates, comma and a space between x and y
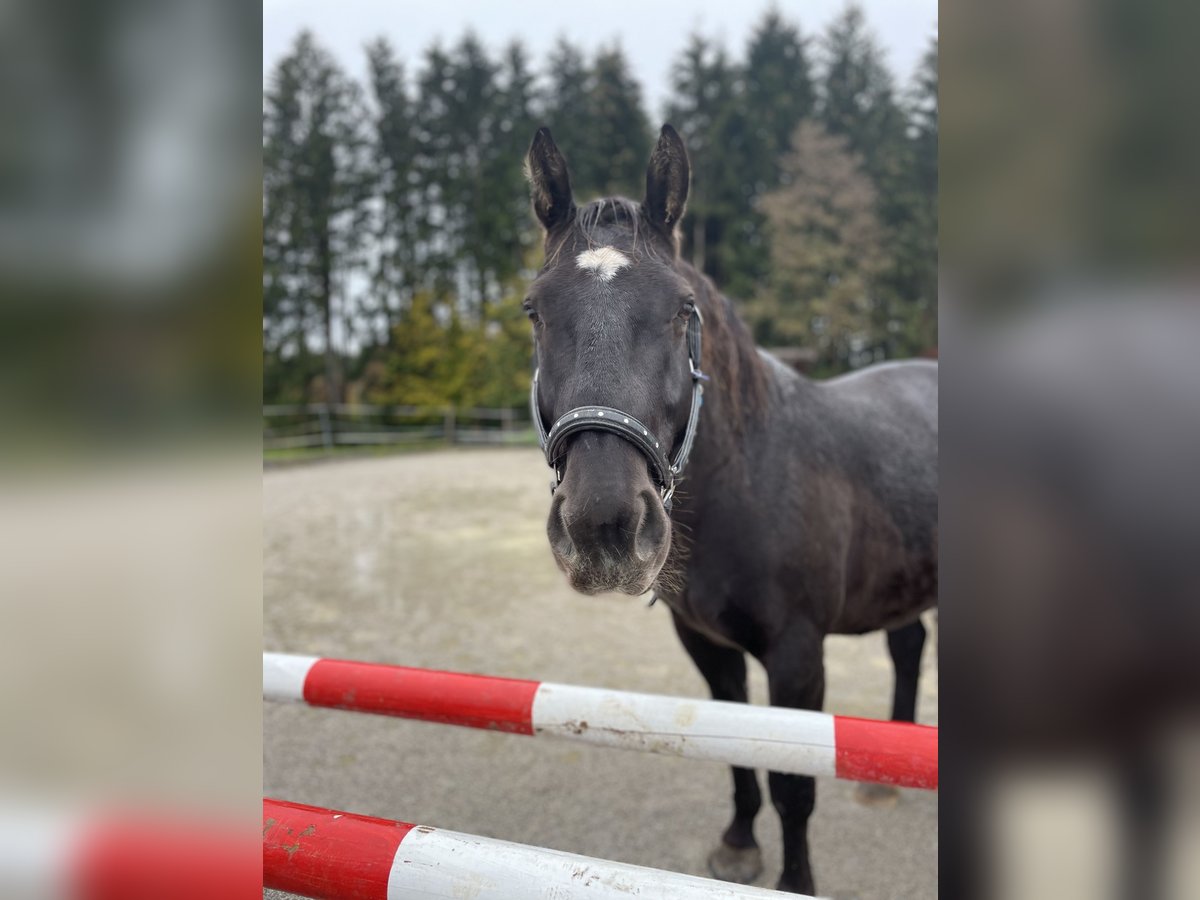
756, 737
332, 855
127, 854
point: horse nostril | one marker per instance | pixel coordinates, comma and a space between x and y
651, 529
556, 528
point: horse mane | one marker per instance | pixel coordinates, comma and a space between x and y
731, 358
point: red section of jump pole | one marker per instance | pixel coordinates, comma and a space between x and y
477, 701
321, 853
886, 752
148, 856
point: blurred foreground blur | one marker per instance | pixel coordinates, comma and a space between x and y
1070, 639
129, 465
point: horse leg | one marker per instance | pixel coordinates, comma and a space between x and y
905, 645
796, 672
737, 858
1143, 792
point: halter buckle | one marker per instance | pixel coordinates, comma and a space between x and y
668, 494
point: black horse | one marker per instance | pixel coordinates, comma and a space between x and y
808, 508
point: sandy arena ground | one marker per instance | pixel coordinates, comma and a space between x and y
440, 560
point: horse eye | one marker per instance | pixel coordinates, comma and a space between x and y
531, 312
688, 308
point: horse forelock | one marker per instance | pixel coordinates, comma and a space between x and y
614, 222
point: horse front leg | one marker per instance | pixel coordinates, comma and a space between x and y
796, 674
737, 858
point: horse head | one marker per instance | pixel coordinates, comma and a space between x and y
617, 393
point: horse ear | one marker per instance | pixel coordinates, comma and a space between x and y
667, 180
549, 181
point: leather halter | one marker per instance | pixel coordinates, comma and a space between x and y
606, 418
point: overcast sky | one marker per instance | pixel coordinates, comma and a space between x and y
652, 32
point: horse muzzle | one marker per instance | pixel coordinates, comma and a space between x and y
608, 528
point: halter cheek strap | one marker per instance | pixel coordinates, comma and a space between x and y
606, 418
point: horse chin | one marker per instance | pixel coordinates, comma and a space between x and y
606, 579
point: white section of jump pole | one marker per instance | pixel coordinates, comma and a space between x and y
431, 864
755, 737
284, 674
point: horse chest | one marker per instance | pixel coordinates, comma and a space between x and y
704, 621
711, 605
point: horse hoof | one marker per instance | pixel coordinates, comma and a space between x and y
880, 795
737, 864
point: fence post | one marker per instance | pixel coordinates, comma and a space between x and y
449, 425
326, 426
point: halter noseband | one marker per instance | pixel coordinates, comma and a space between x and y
606, 418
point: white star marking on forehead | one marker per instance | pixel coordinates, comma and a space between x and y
604, 261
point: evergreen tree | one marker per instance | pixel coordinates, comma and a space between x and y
913, 327
473, 228
507, 224
738, 121
826, 254
859, 103
316, 183
620, 130
436, 172
567, 111
923, 114
705, 107
779, 93
473, 121
858, 99
396, 276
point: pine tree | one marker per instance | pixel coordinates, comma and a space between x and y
859, 103
858, 99
567, 111
620, 136
913, 325
705, 107
316, 181
776, 94
738, 121
510, 231
475, 123
435, 172
395, 277
924, 117
779, 93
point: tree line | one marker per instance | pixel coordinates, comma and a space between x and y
397, 236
